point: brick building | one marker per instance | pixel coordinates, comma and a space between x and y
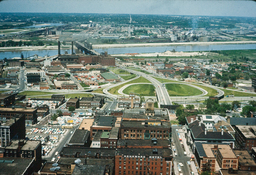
245, 136
145, 130
153, 143
143, 161
246, 161
7, 100
8, 113
73, 102
212, 157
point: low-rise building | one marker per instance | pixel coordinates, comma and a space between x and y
143, 161
80, 138
73, 102
245, 136
7, 100
145, 130
8, 113
246, 161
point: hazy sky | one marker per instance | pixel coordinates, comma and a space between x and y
170, 7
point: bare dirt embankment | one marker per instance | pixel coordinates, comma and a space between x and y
27, 48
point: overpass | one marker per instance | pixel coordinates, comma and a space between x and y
85, 49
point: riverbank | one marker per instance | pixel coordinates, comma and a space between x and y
163, 54
30, 48
101, 46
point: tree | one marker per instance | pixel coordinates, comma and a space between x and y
253, 103
190, 107
218, 75
54, 117
236, 104
22, 56
208, 72
225, 84
71, 108
185, 75
55, 76
59, 112
247, 110
67, 75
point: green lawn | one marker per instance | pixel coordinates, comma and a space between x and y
238, 94
114, 90
182, 90
99, 90
119, 71
77, 95
211, 91
163, 80
34, 93
139, 70
128, 77
141, 89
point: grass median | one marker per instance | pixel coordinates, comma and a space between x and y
114, 90
141, 89
211, 91
182, 90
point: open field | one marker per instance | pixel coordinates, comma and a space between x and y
114, 90
141, 89
237, 94
211, 91
182, 90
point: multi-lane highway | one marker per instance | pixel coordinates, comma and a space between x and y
161, 91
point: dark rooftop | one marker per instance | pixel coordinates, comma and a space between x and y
146, 124
104, 121
79, 137
13, 166
88, 152
198, 132
89, 169
127, 142
31, 145
144, 152
242, 121
245, 159
114, 133
138, 113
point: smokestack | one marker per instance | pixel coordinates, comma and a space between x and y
58, 48
72, 51
221, 131
205, 132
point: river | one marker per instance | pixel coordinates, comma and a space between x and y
179, 48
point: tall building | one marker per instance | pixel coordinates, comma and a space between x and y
13, 129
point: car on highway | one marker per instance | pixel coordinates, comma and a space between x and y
181, 164
175, 154
185, 153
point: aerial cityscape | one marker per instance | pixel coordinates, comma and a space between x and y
127, 94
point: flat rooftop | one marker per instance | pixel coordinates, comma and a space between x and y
10, 122
127, 142
104, 121
114, 133
245, 159
72, 100
14, 166
225, 150
80, 137
144, 152
89, 169
142, 124
17, 110
249, 131
86, 124
31, 145
138, 113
